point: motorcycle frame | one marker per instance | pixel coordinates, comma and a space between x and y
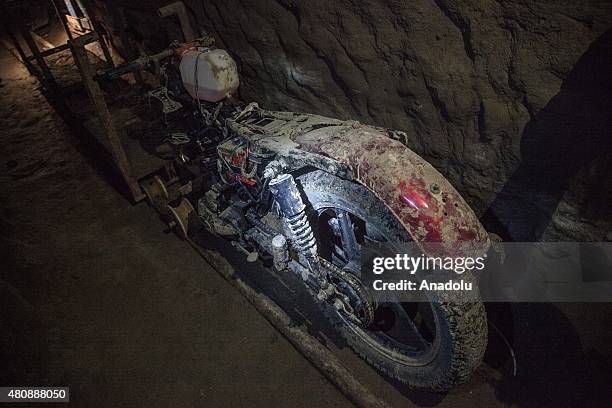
431, 210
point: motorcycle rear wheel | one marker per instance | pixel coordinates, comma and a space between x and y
437, 344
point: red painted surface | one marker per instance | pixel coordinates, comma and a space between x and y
441, 221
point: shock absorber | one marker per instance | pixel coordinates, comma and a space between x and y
289, 200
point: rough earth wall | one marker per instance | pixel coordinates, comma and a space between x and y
509, 99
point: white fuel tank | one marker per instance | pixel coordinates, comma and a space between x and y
209, 74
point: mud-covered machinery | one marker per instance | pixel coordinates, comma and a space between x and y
311, 192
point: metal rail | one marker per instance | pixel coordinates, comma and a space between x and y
321, 358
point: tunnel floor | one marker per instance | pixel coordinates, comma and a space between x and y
94, 295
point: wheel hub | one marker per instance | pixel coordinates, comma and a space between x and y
350, 296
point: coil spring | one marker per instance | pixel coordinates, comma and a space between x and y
302, 233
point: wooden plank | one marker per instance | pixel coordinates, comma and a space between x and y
74, 24
62, 18
40, 40
16, 49
47, 77
97, 98
51, 51
95, 25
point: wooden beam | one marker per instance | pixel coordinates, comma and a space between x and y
62, 18
49, 81
51, 51
88, 11
97, 98
40, 40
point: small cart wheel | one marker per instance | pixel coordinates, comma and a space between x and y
180, 217
156, 192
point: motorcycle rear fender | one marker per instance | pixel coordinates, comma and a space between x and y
430, 209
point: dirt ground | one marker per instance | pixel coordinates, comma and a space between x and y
95, 296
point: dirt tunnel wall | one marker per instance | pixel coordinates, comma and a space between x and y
507, 99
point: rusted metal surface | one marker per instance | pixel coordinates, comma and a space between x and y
428, 206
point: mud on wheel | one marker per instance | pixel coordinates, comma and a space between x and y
429, 343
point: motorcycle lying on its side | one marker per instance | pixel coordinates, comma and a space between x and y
312, 192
